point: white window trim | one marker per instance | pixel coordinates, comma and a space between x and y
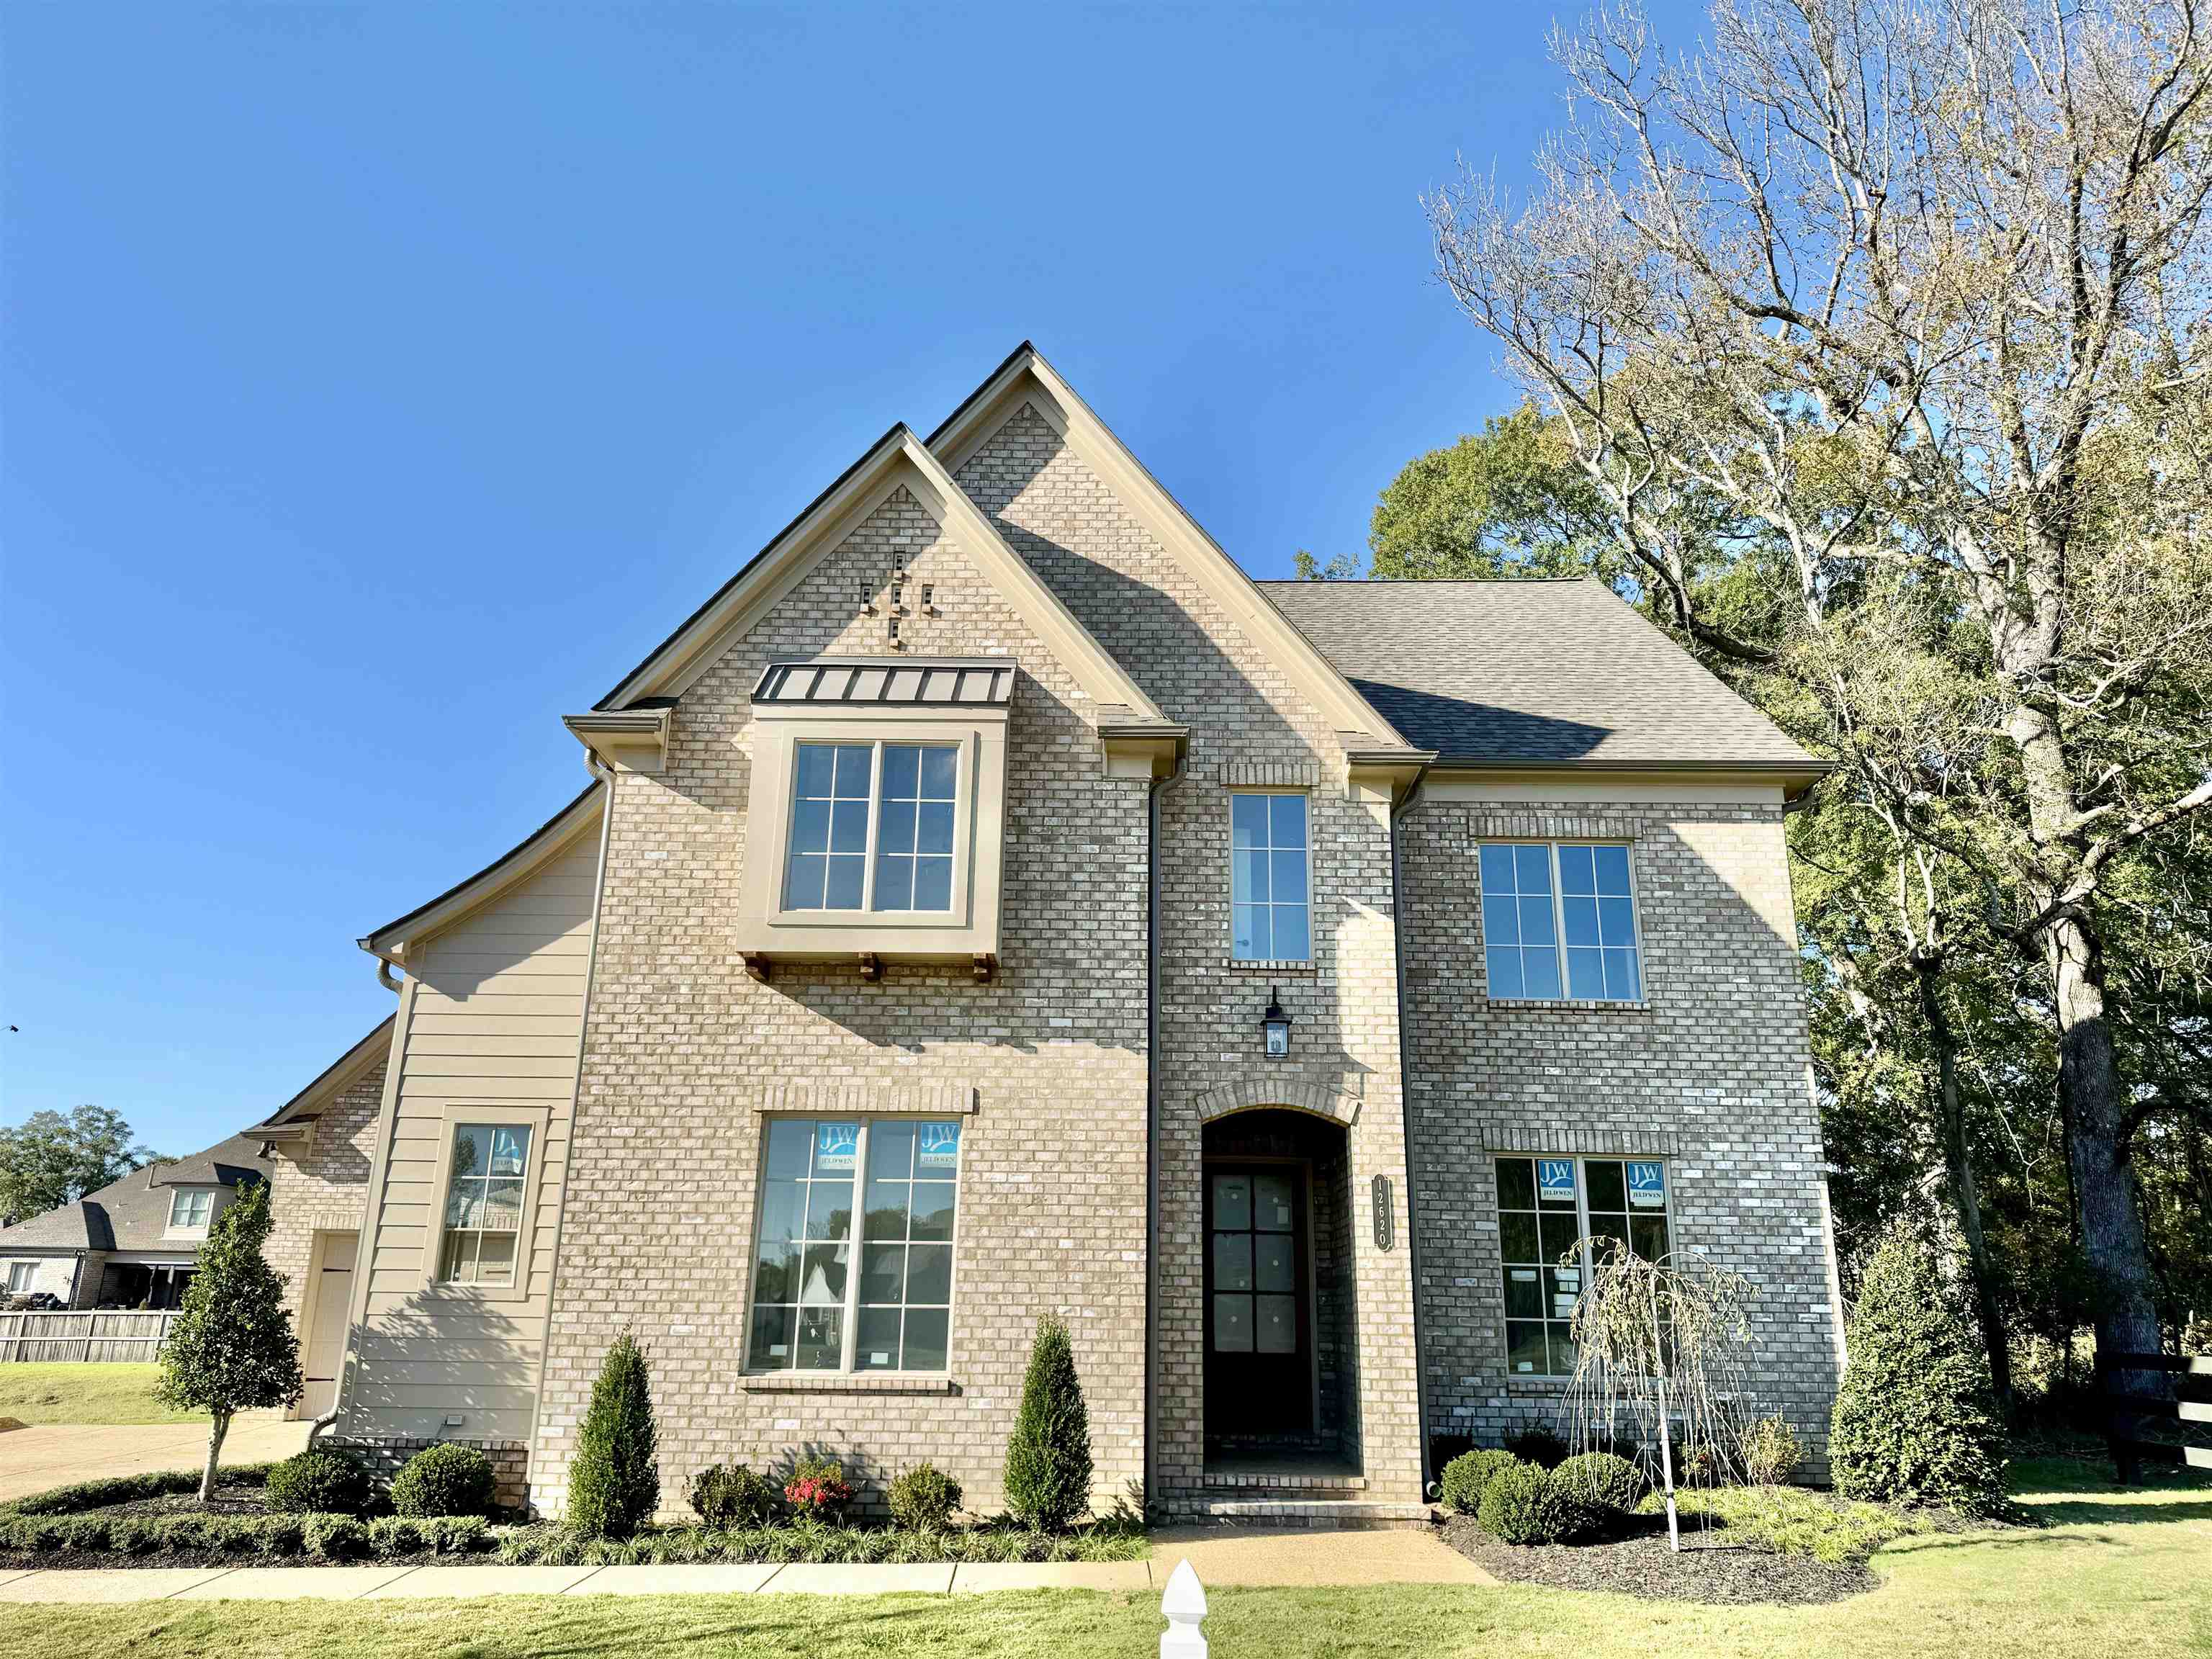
1582, 1233
536, 1119
30, 1272
1229, 879
766, 926
849, 1329
1559, 923
179, 1194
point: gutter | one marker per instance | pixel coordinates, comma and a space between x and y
1151, 1136
1405, 1118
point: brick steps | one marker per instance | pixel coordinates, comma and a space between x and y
1288, 1510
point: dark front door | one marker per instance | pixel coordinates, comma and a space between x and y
1258, 1327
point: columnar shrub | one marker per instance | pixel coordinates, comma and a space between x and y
729, 1495
1600, 1480
1049, 1456
614, 1481
1525, 1505
446, 1480
1466, 1475
1916, 1420
924, 1497
318, 1483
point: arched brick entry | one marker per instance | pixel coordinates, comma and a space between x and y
1309, 1098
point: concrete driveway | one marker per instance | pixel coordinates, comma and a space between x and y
55, 1455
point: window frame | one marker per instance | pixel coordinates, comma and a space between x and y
536, 1119
1642, 996
30, 1272
1498, 1211
181, 1194
963, 804
1228, 878
751, 1365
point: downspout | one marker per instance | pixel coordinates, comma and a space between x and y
1405, 1114
362, 1247
1151, 1136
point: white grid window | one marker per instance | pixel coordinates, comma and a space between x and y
484, 1204
810, 1312
189, 1208
1552, 1212
871, 827
1559, 919
20, 1275
1270, 879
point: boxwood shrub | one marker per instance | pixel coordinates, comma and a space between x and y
448, 1480
727, 1495
1466, 1475
922, 1498
318, 1483
1525, 1505
1600, 1480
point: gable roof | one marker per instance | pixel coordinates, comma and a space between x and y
133, 1213
341, 1074
1026, 377
525, 857
1535, 674
899, 457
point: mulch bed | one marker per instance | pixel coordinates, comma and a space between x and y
1638, 1563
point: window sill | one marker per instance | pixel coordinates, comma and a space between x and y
842, 1383
1536, 1385
1568, 1006
1259, 967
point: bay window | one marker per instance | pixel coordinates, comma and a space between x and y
1553, 1215
853, 1247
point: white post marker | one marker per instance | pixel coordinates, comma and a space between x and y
1184, 1608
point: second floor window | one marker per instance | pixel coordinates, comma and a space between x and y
1270, 879
1558, 920
871, 827
190, 1208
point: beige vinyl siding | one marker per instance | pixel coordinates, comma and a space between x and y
494, 1018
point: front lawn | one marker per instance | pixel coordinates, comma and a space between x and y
100, 1393
2108, 1571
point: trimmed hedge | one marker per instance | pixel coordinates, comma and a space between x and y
447, 1480
922, 1500
318, 1483
1525, 1505
128, 1488
272, 1537
725, 1495
1466, 1475
802, 1540
1600, 1480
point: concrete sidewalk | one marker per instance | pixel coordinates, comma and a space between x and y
1221, 1557
51, 1454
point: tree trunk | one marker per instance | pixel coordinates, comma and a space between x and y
218, 1428
2112, 1236
1965, 1198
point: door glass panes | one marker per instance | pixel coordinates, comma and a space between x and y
803, 1244
1271, 916
1254, 1260
905, 1298
914, 843
1599, 922
484, 1204
827, 864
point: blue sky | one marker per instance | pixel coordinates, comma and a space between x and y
379, 383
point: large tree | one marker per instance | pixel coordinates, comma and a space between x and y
50, 1160
1917, 289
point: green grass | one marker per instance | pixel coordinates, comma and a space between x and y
108, 1394
1791, 1520
2110, 1571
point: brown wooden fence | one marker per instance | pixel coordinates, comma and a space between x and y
83, 1336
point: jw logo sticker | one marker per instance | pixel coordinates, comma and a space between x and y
939, 1145
1555, 1180
1647, 1186
837, 1146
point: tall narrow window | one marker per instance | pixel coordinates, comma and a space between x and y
1559, 920
829, 861
810, 1312
913, 848
1270, 885
484, 1204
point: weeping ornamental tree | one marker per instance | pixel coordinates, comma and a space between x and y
1914, 290
232, 1347
1661, 1345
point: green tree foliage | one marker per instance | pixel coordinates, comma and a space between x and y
614, 1478
1504, 502
1049, 1456
48, 1160
232, 1347
1916, 1421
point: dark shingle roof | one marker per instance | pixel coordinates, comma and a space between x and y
133, 1213
1538, 672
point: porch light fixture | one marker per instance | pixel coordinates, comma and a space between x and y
1277, 1024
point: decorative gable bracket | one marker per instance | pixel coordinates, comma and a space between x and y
1380, 777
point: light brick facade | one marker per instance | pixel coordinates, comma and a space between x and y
324, 1189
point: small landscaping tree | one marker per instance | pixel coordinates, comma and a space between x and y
1049, 1457
614, 1483
1661, 1342
1916, 1419
232, 1347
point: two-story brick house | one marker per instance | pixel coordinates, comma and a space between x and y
903, 974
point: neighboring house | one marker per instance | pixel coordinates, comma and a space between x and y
991, 902
132, 1243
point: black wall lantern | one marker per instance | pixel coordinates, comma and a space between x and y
1277, 1024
